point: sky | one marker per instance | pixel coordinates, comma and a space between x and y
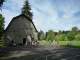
47, 14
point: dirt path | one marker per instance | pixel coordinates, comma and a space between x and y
43, 54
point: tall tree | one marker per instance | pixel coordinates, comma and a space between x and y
41, 35
50, 35
26, 10
1, 3
1, 30
1, 25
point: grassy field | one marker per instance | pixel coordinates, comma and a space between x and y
60, 43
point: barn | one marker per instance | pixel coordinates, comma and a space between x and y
21, 31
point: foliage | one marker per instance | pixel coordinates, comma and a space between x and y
77, 37
74, 29
1, 30
61, 37
1, 25
74, 34
26, 10
44, 43
70, 36
41, 35
50, 35
1, 3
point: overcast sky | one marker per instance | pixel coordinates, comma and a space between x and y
48, 14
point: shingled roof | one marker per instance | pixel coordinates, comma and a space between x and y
18, 17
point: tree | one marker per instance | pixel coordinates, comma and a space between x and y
50, 35
75, 29
61, 37
71, 35
1, 25
1, 30
77, 37
1, 3
26, 10
41, 35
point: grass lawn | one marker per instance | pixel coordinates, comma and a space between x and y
70, 43
45, 43
61, 43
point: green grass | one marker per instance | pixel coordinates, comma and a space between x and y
76, 43
61, 43
70, 43
45, 43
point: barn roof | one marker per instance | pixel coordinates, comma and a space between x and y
18, 17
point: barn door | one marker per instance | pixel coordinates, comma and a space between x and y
24, 41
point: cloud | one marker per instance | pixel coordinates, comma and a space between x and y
10, 9
59, 14
13, 5
48, 14
77, 14
8, 16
